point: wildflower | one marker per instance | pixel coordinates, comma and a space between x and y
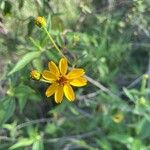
118, 117
40, 21
35, 75
61, 81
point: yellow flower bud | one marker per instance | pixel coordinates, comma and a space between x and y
118, 117
40, 21
35, 75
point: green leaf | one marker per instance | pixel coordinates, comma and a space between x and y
128, 94
51, 128
8, 8
22, 142
38, 145
121, 138
104, 144
22, 96
143, 128
85, 9
12, 128
57, 23
7, 107
74, 110
30, 26
24, 61
37, 64
136, 145
83, 144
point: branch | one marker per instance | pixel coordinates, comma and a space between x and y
100, 86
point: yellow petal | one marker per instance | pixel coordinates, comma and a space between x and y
75, 73
53, 68
51, 89
69, 93
59, 94
81, 81
48, 75
63, 66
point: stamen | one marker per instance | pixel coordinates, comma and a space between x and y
62, 80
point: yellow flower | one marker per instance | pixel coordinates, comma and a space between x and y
61, 81
118, 117
34, 74
40, 21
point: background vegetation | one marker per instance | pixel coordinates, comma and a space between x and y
110, 40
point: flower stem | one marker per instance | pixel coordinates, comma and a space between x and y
53, 42
42, 80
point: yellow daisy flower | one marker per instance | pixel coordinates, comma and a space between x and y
61, 81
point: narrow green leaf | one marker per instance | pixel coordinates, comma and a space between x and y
51, 129
128, 94
104, 144
24, 61
22, 96
136, 145
21, 143
7, 107
38, 145
143, 128
121, 138
38, 64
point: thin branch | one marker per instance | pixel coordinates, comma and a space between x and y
33, 122
72, 137
8, 139
100, 86
90, 95
149, 72
63, 138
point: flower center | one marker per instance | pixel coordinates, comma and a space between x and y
62, 80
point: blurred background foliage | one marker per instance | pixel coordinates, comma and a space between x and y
110, 39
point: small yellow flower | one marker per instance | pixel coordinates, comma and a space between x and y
34, 74
118, 117
61, 81
40, 21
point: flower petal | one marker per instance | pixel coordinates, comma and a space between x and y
51, 89
49, 76
59, 94
53, 68
81, 81
69, 93
75, 73
63, 66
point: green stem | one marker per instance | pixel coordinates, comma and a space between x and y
143, 84
53, 42
42, 80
